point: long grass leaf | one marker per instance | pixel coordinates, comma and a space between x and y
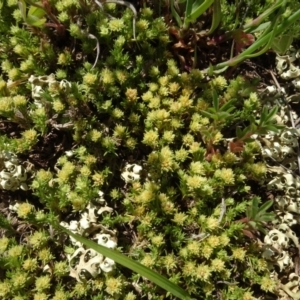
22, 5
216, 102
196, 13
208, 115
267, 217
228, 106
266, 205
271, 113
254, 208
175, 14
217, 16
127, 262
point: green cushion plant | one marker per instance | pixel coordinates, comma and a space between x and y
181, 217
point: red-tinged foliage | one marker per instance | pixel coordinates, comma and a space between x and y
236, 147
242, 40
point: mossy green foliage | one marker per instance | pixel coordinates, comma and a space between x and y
236, 14
135, 106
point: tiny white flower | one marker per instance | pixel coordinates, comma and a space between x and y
73, 225
14, 207
129, 176
131, 173
65, 85
24, 186
136, 169
47, 269
69, 153
19, 173
107, 265
84, 223
101, 194
36, 93
64, 224
106, 241
75, 242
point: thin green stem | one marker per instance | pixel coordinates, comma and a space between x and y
191, 15
258, 44
265, 14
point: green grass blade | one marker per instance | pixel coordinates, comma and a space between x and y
199, 10
219, 68
208, 114
274, 127
266, 217
271, 114
217, 16
254, 208
228, 106
265, 15
123, 260
263, 115
253, 224
266, 205
22, 7
261, 229
175, 14
188, 8
216, 102
282, 43
261, 27
238, 132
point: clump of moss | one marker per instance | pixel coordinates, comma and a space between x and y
134, 107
